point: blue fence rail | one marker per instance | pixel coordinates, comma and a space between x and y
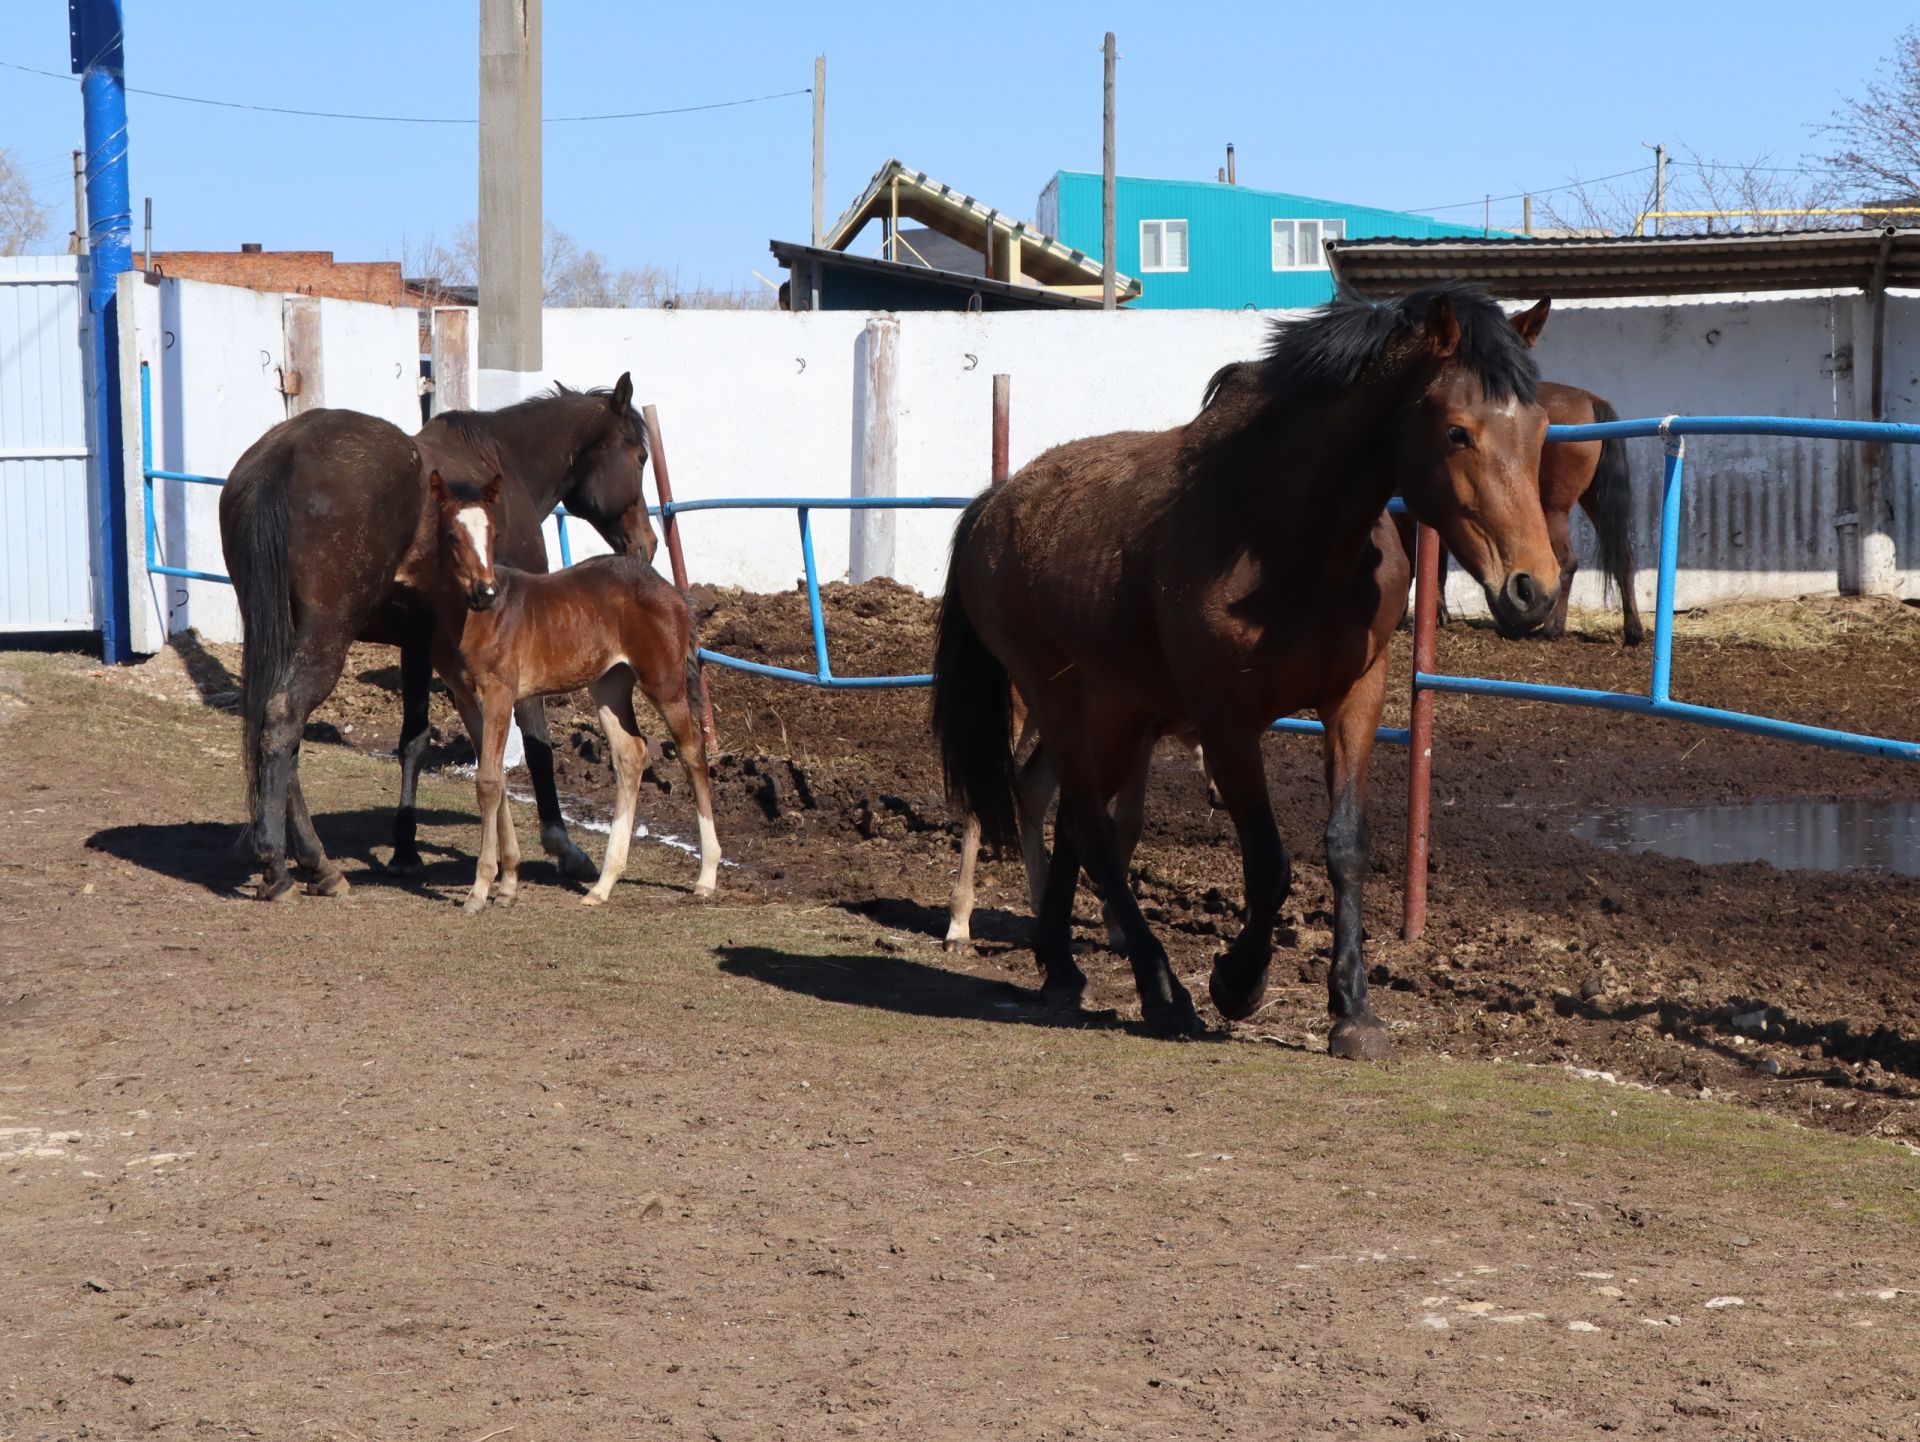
1658, 701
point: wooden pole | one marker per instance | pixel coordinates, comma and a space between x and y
1108, 298
657, 449
1001, 385
1426, 616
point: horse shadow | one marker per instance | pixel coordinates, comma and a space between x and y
991, 926
213, 856
910, 988
219, 688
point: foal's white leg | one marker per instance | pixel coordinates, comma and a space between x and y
692, 744
509, 887
960, 904
629, 751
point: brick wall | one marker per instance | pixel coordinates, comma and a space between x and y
296, 272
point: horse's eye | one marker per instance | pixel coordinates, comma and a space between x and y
1458, 438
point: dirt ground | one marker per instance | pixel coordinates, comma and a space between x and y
777, 1166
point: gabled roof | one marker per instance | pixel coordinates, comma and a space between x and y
1564, 267
1043, 261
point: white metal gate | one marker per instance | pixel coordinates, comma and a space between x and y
46, 522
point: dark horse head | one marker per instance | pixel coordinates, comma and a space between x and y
1466, 455
610, 456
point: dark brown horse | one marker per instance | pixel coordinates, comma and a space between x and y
1212, 577
328, 536
607, 624
1593, 475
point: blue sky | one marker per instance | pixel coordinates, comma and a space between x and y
1419, 106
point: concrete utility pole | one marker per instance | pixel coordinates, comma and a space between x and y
510, 214
819, 149
100, 63
78, 244
1108, 300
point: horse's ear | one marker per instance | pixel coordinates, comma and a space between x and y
436, 485
491, 495
1533, 320
622, 397
1443, 326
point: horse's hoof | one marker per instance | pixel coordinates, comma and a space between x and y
704, 893
274, 888
574, 863
590, 899
1174, 1018
506, 899
1360, 1038
474, 905
956, 945
406, 863
328, 883
1635, 636
1069, 995
1236, 992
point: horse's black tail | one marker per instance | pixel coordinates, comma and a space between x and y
973, 710
1610, 495
266, 600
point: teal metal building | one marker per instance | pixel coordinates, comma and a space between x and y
1199, 245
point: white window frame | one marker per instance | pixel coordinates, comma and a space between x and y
1320, 223
1186, 246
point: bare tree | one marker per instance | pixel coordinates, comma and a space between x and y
1878, 134
23, 220
571, 275
1697, 183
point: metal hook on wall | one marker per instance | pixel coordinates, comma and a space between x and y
972, 359
265, 360
167, 340
803, 365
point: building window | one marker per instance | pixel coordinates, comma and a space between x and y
1296, 243
1163, 245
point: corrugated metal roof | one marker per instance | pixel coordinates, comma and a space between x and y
1043, 260
1036, 296
1530, 267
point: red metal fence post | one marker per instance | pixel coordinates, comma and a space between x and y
1001, 384
656, 448
1426, 615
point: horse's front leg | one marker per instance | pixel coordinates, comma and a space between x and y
416, 686
1348, 745
575, 864
960, 903
1239, 980
491, 712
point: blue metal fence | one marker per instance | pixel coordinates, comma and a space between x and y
1673, 431
1658, 702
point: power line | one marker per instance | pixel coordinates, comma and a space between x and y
1521, 194
422, 119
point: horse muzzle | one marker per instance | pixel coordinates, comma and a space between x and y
1521, 605
482, 595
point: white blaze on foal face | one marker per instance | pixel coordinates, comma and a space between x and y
477, 568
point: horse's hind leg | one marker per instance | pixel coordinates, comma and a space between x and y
416, 685
1129, 820
532, 716
692, 746
1239, 979
327, 878
614, 694
1350, 726
313, 677
960, 903
1062, 983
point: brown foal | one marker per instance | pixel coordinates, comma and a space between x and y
605, 625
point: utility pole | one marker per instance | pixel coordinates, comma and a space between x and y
1659, 185
1108, 299
78, 245
1526, 215
100, 62
819, 149
510, 200
1486, 215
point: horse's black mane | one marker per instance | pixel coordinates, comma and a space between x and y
477, 429
1327, 350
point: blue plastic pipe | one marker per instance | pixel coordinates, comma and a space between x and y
1669, 568
99, 61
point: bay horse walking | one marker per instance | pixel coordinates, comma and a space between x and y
329, 537
606, 624
1595, 476
1210, 578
